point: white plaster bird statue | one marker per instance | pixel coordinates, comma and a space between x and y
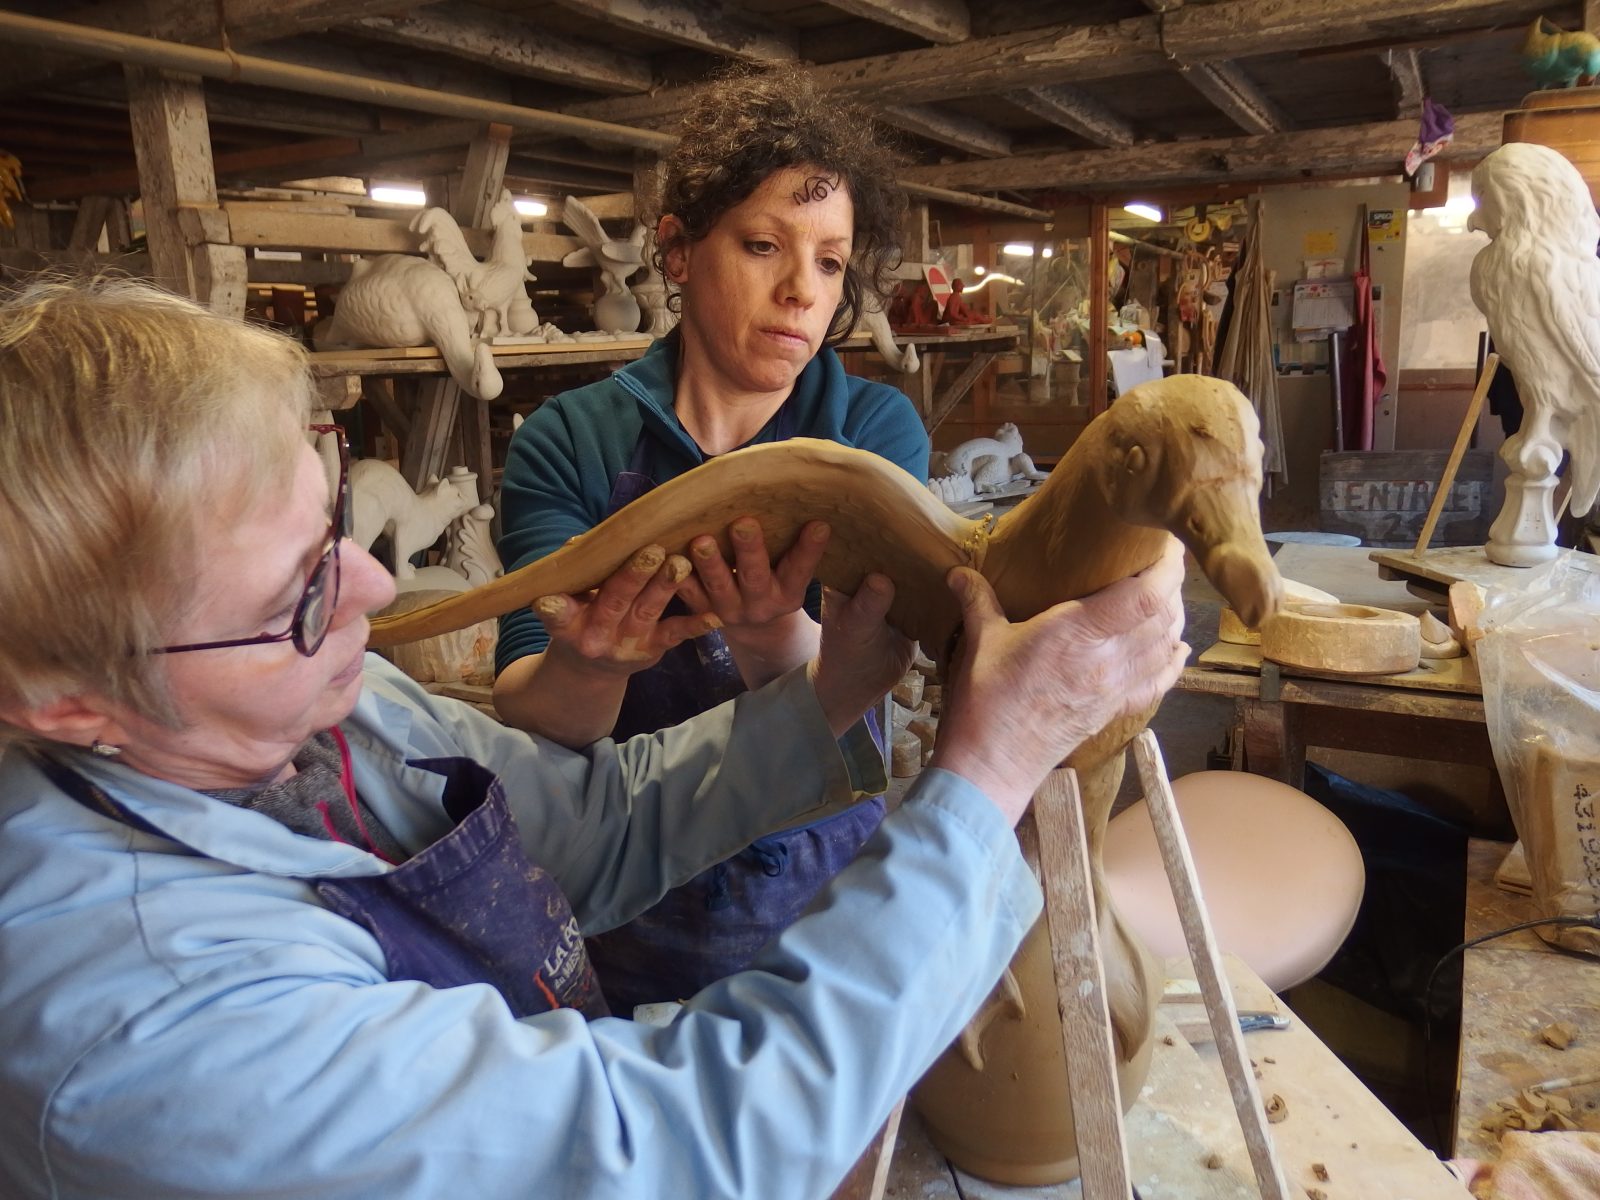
615, 309
1538, 283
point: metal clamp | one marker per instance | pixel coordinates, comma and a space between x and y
1271, 682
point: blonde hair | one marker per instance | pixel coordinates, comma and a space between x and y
128, 418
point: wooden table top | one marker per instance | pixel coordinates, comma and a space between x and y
1184, 1116
1511, 989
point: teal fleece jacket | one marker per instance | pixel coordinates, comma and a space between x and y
565, 458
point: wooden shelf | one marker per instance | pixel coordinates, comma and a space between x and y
426, 360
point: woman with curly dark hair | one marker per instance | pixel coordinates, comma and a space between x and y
779, 212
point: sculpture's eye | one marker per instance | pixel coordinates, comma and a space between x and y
1135, 460
1202, 432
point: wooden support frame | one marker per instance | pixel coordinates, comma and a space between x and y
1099, 286
439, 400
172, 143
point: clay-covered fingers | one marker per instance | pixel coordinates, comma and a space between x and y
620, 625
752, 590
861, 657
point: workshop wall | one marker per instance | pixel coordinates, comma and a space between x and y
1324, 222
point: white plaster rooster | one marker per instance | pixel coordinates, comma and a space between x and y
1538, 283
491, 291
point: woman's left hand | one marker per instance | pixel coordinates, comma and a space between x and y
760, 603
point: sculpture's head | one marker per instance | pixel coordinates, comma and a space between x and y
1523, 188
1186, 456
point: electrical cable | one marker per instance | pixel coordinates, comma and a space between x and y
1427, 999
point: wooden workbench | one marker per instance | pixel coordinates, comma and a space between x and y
1184, 1116
1512, 988
1433, 713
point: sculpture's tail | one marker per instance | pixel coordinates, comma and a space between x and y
471, 363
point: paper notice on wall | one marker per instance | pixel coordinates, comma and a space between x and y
1321, 242
1322, 306
1384, 225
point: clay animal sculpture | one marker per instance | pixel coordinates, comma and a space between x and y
383, 503
1538, 283
491, 291
873, 321
990, 463
1182, 454
615, 309
400, 300
1556, 58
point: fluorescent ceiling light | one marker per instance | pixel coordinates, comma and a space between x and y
1140, 209
1047, 252
979, 270
529, 207
1019, 249
990, 278
393, 193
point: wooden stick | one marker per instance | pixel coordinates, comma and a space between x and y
1081, 987
1463, 436
1208, 968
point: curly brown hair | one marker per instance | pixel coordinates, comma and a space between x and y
751, 122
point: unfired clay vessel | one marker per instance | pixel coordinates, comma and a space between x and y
1538, 283
1180, 455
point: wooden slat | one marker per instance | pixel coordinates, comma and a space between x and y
1236, 96
1066, 53
1207, 959
1375, 148
957, 391
703, 24
1405, 69
518, 47
193, 21
170, 138
1085, 1011
1076, 110
943, 22
255, 224
948, 128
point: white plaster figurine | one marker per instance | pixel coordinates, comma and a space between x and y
382, 502
615, 309
1538, 283
491, 291
874, 322
982, 466
449, 300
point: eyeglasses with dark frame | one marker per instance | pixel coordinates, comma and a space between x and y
314, 613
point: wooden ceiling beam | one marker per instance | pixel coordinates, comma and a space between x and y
948, 129
510, 44
1405, 70
1075, 110
1236, 96
702, 24
194, 22
942, 22
1375, 149
1029, 58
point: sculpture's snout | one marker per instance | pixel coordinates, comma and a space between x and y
1248, 579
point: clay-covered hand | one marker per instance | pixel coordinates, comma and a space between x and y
861, 657
759, 603
618, 629
1023, 696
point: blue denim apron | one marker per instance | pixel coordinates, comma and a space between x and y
711, 926
468, 909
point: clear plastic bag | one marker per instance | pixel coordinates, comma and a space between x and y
1540, 663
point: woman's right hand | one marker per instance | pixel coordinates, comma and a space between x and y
618, 628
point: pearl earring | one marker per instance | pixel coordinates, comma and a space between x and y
104, 749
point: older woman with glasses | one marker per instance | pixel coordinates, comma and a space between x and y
275, 922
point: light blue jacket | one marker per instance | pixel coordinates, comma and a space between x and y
175, 1025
